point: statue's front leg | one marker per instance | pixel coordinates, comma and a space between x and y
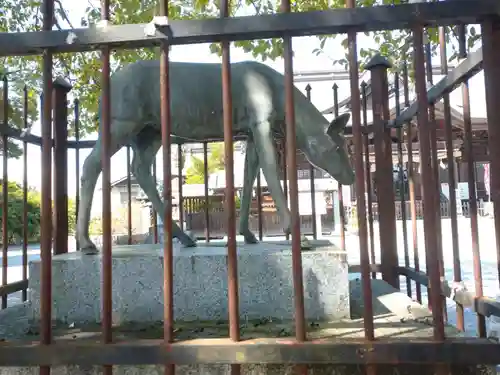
267, 160
250, 174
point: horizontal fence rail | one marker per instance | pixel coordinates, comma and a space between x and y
179, 32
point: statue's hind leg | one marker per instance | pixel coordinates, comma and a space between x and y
90, 173
144, 154
250, 174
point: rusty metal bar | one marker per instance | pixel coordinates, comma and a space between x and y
259, 206
76, 125
340, 351
46, 199
491, 45
431, 240
25, 198
232, 256
5, 189
411, 183
155, 214
383, 152
166, 142
285, 173
14, 287
435, 171
474, 225
129, 199
311, 183
340, 194
368, 176
402, 187
356, 268
462, 42
60, 128
360, 185
207, 201
457, 273
106, 313
180, 182
291, 158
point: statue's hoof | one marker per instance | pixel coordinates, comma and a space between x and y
249, 238
305, 244
91, 250
188, 242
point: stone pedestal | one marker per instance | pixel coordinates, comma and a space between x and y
200, 283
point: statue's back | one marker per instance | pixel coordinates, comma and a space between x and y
195, 95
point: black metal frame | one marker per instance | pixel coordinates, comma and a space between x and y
178, 32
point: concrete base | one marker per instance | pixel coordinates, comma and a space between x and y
200, 283
395, 316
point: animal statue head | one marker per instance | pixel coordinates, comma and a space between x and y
329, 153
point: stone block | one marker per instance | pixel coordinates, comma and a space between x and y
200, 283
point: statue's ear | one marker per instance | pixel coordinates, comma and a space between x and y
338, 124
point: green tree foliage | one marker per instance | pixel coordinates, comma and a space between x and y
83, 69
71, 217
15, 116
15, 213
195, 174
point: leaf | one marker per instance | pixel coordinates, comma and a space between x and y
83, 69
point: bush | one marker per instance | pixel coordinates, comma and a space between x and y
15, 213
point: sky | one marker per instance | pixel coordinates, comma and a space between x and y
304, 60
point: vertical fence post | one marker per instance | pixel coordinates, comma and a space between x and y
311, 183
284, 162
383, 160
474, 225
435, 170
25, 195
401, 183
360, 187
316, 219
230, 208
368, 176
180, 200
46, 199
491, 53
291, 169
60, 104
411, 182
76, 125
155, 214
457, 274
428, 186
5, 189
207, 199
340, 195
107, 244
166, 143
259, 206
129, 199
